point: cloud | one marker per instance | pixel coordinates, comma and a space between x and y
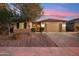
60, 14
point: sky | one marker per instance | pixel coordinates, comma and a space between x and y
12, 7
65, 11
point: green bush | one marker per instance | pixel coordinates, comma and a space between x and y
33, 29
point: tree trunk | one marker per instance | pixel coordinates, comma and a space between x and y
29, 27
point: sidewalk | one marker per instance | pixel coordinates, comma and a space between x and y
39, 51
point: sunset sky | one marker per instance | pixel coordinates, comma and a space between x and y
61, 10
66, 11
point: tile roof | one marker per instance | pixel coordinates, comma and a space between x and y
51, 20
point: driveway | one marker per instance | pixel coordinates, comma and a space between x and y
49, 39
64, 39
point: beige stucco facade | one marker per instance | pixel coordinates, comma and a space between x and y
55, 26
49, 27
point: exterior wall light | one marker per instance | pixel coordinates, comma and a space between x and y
42, 25
63, 25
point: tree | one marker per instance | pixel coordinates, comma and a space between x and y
30, 11
5, 15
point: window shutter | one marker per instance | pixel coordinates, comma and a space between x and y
17, 25
25, 25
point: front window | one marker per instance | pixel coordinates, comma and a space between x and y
21, 25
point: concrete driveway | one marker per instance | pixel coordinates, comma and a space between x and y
64, 39
49, 39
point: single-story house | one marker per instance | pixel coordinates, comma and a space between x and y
73, 25
48, 25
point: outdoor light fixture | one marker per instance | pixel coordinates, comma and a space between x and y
64, 25
42, 25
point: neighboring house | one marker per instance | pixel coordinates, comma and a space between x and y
73, 25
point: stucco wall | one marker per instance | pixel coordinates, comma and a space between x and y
54, 27
49, 27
